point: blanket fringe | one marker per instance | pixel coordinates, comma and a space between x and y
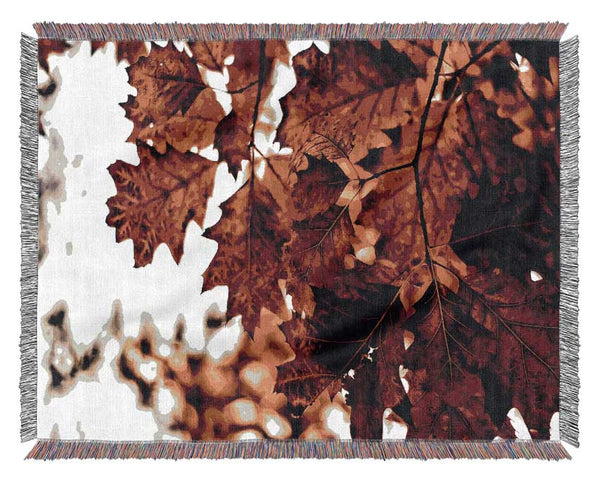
413, 449
29, 236
223, 31
569, 184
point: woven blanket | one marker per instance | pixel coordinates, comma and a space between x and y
299, 241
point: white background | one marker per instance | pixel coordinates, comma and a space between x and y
18, 17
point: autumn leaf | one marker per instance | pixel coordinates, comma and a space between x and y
331, 343
174, 105
250, 84
394, 243
157, 199
440, 161
321, 169
213, 54
250, 235
373, 87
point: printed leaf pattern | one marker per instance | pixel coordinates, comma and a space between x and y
250, 235
157, 199
174, 105
393, 235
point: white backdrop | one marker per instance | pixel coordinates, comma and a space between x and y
580, 18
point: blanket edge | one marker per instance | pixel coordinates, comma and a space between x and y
224, 31
29, 237
569, 338
51, 449
569, 185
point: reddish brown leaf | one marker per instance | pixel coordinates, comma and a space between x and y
319, 186
371, 86
173, 105
212, 54
251, 235
332, 341
421, 177
250, 83
421, 190
157, 199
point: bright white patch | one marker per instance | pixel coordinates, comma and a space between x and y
289, 302
166, 401
351, 373
229, 60
322, 45
225, 186
297, 46
164, 350
261, 168
150, 142
43, 77
148, 370
179, 45
226, 339
535, 276
187, 50
344, 394
366, 255
218, 81
555, 427
283, 80
248, 435
209, 152
338, 422
273, 427
518, 424
402, 372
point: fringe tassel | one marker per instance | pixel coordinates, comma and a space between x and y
55, 449
569, 184
29, 236
223, 31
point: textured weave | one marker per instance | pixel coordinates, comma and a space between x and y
299, 241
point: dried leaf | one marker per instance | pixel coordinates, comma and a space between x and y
158, 198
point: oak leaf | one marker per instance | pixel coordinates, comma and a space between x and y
174, 105
250, 236
157, 199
